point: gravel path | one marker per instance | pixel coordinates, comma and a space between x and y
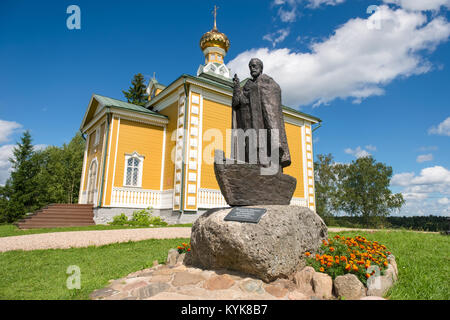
72, 239
77, 239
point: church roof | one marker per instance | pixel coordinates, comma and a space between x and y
223, 84
110, 102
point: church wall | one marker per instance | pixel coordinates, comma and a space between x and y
147, 141
294, 138
112, 155
215, 116
95, 151
169, 166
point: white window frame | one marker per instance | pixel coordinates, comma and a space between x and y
140, 168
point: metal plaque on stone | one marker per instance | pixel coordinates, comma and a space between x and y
242, 214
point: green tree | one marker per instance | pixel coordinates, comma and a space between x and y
19, 194
364, 190
60, 172
41, 177
136, 94
326, 184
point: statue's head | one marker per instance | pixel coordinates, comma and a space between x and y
256, 67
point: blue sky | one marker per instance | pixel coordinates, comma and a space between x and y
378, 80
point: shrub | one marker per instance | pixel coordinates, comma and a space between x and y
350, 255
157, 221
140, 218
120, 220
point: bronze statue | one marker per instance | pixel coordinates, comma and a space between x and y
259, 150
258, 106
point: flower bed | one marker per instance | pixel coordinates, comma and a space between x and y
342, 255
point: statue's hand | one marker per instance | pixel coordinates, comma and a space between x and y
236, 80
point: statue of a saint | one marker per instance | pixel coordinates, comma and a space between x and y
257, 106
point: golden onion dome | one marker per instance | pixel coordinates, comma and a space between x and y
214, 38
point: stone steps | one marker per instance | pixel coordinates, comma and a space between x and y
59, 215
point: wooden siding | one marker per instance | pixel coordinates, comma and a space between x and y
169, 165
294, 137
146, 140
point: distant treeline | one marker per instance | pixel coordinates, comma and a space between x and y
421, 223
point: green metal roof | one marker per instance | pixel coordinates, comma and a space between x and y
110, 102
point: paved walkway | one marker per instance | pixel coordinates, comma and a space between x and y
77, 239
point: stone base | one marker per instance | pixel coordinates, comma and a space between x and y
271, 249
244, 184
175, 281
105, 215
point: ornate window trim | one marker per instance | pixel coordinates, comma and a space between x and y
140, 158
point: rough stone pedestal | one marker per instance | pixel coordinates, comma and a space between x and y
271, 249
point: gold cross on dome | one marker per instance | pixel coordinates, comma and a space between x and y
215, 16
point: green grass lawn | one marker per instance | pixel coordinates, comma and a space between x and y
9, 230
422, 259
41, 274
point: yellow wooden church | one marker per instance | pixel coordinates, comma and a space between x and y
161, 155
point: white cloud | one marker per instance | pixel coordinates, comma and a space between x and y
7, 128
355, 61
424, 157
420, 5
359, 152
277, 36
426, 193
424, 207
442, 129
318, 3
6, 152
428, 148
288, 11
371, 147
428, 176
288, 15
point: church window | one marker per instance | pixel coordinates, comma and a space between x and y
133, 170
97, 136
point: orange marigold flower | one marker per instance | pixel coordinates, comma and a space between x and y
367, 275
385, 263
347, 267
189, 249
331, 249
329, 264
337, 261
307, 254
355, 267
322, 262
321, 269
317, 256
324, 243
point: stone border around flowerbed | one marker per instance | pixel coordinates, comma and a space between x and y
176, 281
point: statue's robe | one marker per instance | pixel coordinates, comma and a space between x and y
258, 106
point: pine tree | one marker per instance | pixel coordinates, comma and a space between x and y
20, 193
136, 94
